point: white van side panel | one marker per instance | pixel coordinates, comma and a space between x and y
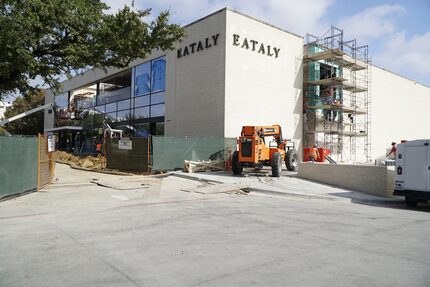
427, 169
415, 168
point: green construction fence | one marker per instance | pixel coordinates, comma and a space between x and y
169, 153
18, 164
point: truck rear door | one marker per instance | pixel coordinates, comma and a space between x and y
416, 169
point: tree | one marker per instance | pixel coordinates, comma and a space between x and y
47, 39
29, 125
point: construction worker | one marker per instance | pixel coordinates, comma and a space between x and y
393, 151
314, 153
99, 147
328, 99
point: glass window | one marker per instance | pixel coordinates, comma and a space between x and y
100, 109
158, 75
159, 129
142, 130
157, 98
87, 117
111, 108
141, 101
157, 111
111, 117
123, 105
141, 113
142, 79
83, 97
123, 115
115, 88
114, 96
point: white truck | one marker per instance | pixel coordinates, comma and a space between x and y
412, 173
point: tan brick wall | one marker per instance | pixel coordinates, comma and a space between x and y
374, 180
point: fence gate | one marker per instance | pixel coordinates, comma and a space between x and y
130, 154
45, 163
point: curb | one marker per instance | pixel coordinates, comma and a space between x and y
74, 166
299, 195
181, 175
65, 185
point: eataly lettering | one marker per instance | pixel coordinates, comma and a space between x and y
254, 45
198, 46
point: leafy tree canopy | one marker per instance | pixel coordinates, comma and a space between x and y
46, 39
29, 125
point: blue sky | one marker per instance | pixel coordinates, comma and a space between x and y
397, 32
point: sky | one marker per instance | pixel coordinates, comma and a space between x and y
397, 32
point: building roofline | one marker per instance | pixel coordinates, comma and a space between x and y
401, 76
263, 22
204, 17
244, 15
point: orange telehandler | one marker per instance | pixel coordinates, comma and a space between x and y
255, 151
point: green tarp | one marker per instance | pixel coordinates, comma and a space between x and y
18, 165
135, 159
169, 153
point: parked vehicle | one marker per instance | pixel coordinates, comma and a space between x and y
412, 174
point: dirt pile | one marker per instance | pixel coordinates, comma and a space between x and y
91, 162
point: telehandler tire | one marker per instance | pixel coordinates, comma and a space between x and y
276, 164
236, 167
291, 160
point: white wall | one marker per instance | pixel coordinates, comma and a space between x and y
263, 90
400, 110
195, 83
49, 118
3, 107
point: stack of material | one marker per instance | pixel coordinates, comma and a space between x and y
89, 162
204, 165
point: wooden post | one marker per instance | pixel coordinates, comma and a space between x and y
104, 150
38, 162
51, 164
149, 153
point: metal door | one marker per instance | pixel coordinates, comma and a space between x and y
416, 169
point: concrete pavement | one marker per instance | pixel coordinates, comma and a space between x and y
77, 233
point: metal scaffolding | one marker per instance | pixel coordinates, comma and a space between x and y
337, 96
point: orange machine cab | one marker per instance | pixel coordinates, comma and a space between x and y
260, 146
252, 146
